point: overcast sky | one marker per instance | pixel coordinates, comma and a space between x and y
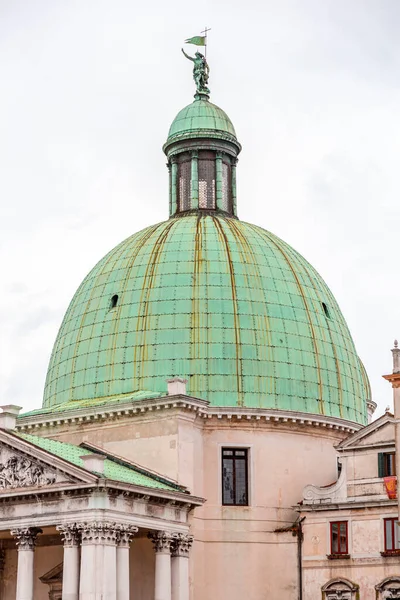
89, 88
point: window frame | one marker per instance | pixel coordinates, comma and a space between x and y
394, 521
385, 465
234, 449
338, 552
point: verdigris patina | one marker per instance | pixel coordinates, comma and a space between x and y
201, 71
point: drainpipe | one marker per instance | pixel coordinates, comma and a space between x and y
297, 531
300, 537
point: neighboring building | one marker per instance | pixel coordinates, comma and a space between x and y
202, 376
351, 545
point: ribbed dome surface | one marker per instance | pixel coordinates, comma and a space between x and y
223, 303
201, 117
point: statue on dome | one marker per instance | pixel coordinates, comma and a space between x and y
201, 71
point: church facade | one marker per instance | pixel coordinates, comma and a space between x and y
204, 429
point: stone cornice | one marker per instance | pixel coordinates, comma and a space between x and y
154, 495
201, 408
275, 416
111, 411
346, 505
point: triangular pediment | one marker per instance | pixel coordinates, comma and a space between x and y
24, 466
378, 433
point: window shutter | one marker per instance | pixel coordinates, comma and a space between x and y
380, 464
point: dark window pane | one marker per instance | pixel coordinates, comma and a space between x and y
227, 452
335, 538
240, 452
241, 483
343, 537
227, 481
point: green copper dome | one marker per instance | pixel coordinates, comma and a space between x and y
223, 303
201, 119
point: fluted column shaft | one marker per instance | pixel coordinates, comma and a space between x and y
71, 539
124, 539
98, 577
180, 566
25, 540
162, 542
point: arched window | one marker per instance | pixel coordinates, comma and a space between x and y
389, 588
114, 301
339, 589
326, 310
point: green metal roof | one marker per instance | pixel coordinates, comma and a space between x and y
201, 118
223, 303
112, 470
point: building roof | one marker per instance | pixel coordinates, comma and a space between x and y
225, 304
201, 118
114, 468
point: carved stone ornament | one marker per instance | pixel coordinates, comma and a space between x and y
25, 538
104, 533
18, 470
125, 535
162, 541
181, 544
389, 588
339, 589
70, 535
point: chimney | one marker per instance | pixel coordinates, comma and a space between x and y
177, 386
8, 416
396, 357
94, 462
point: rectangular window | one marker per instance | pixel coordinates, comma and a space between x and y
226, 187
339, 543
184, 183
391, 535
234, 477
206, 171
386, 464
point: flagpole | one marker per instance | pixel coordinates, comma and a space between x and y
205, 40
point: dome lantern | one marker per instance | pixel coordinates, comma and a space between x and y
202, 151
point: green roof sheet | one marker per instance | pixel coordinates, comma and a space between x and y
112, 469
94, 402
225, 304
201, 116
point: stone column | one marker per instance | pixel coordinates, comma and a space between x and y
218, 182
234, 190
25, 540
98, 580
180, 566
71, 539
174, 186
162, 545
124, 538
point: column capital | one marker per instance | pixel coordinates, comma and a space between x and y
70, 535
181, 544
94, 532
162, 541
25, 537
125, 535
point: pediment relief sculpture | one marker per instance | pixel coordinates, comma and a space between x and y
18, 470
